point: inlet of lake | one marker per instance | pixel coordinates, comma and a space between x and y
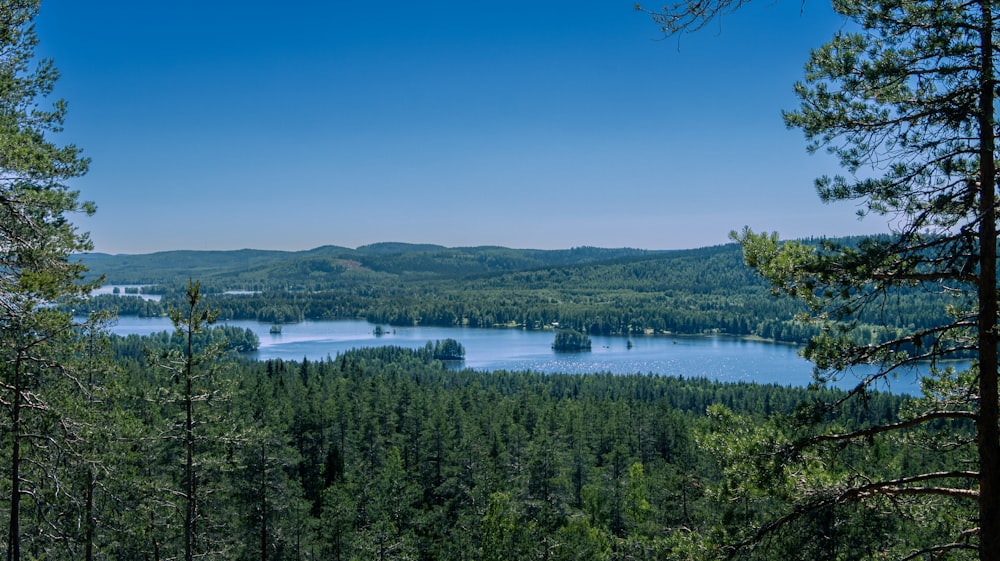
720, 358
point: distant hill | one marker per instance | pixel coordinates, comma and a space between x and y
286, 268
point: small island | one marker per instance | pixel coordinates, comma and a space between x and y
568, 340
449, 349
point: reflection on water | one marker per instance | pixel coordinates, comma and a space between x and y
717, 358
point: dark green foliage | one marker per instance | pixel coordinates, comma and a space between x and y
398, 454
905, 97
43, 388
228, 338
570, 340
384, 452
449, 349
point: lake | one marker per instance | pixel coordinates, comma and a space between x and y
719, 358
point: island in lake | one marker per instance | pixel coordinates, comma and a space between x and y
569, 340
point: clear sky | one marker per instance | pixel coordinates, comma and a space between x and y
224, 124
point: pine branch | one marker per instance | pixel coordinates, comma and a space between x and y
891, 488
940, 550
872, 431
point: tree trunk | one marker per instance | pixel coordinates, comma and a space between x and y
189, 483
90, 522
263, 502
989, 400
14, 545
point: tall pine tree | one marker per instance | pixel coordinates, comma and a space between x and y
905, 98
37, 241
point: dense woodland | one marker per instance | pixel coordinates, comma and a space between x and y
386, 454
174, 447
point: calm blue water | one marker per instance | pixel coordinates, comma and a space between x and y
717, 358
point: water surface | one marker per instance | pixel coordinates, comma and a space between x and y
719, 358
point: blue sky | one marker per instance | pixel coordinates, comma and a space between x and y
217, 124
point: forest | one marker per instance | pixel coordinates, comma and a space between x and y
386, 454
591, 290
175, 446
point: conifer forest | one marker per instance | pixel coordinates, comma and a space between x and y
179, 445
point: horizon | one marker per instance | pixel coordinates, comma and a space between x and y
521, 125
388, 242
440, 246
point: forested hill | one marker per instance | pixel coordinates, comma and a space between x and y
325, 264
598, 291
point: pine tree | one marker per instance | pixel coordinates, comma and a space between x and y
193, 396
905, 99
37, 241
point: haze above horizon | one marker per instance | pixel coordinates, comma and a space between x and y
229, 125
